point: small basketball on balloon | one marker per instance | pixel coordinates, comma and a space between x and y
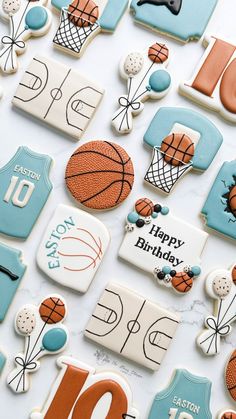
232, 200
229, 415
158, 53
83, 13
144, 207
178, 149
52, 310
230, 376
182, 282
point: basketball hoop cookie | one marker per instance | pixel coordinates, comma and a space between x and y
132, 326
214, 81
44, 335
82, 20
147, 78
219, 210
163, 245
184, 20
100, 175
181, 139
73, 247
227, 414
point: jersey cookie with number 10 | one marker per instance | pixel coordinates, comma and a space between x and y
24, 190
214, 82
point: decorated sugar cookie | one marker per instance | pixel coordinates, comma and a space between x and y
58, 95
213, 83
230, 376
79, 391
24, 189
184, 20
132, 326
26, 19
220, 286
219, 210
73, 247
147, 78
44, 335
163, 245
227, 414
182, 139
12, 271
187, 397
82, 20
2, 361
100, 175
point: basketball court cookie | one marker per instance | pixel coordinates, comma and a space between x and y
100, 175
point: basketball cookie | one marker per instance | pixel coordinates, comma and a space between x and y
83, 12
230, 376
177, 149
144, 207
100, 175
182, 282
147, 78
44, 335
227, 414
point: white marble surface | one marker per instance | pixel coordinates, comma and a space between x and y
100, 62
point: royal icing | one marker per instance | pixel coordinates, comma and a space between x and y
184, 20
219, 210
100, 175
44, 335
73, 247
58, 95
227, 414
230, 375
26, 19
2, 361
81, 392
147, 78
12, 270
24, 189
82, 20
213, 83
181, 139
186, 397
132, 326
220, 286
163, 245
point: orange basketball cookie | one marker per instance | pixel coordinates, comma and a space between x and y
83, 12
158, 53
52, 310
232, 200
182, 282
230, 375
100, 175
144, 207
178, 149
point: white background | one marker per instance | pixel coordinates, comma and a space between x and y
100, 63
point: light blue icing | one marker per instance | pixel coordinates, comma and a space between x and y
186, 393
59, 4
208, 144
133, 217
160, 80
36, 18
10, 263
215, 206
2, 361
190, 23
196, 270
14, 220
112, 14
54, 339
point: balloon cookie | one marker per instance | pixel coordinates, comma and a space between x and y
130, 325
100, 175
147, 78
60, 96
187, 397
26, 19
81, 392
184, 20
214, 81
12, 271
163, 245
73, 247
24, 189
44, 334
181, 140
221, 286
219, 210
82, 20
230, 376
227, 414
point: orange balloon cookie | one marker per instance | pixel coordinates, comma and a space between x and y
52, 310
100, 175
83, 12
158, 53
144, 207
230, 375
182, 282
178, 149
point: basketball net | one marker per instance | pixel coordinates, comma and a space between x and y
69, 35
164, 175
